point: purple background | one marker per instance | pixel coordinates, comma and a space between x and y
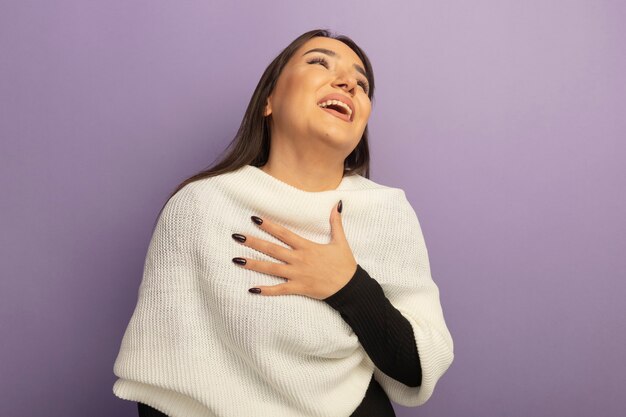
503, 121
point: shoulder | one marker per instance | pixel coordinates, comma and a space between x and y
184, 200
183, 210
198, 202
390, 197
394, 208
193, 195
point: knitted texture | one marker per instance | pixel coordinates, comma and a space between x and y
198, 344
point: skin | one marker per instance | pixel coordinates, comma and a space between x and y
308, 149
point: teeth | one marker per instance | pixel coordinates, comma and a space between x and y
338, 103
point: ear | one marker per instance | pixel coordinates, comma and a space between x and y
268, 108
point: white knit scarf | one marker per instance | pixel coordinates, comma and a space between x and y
200, 345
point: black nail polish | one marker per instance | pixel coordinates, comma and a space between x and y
257, 220
238, 237
239, 261
255, 290
340, 206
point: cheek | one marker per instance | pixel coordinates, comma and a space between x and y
366, 110
292, 97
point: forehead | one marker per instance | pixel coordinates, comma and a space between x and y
344, 52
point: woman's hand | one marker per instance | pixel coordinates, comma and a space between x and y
312, 269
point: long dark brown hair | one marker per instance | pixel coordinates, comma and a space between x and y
251, 144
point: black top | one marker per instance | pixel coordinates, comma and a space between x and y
385, 334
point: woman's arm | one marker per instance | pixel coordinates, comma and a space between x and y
385, 334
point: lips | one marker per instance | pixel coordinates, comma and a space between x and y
343, 99
337, 114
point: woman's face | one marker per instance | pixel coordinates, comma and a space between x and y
305, 80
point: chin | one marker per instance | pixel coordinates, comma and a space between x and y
340, 138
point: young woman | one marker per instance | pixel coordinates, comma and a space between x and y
282, 281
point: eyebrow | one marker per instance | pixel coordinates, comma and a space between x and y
333, 53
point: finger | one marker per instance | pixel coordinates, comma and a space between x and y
280, 289
275, 251
336, 225
281, 233
270, 268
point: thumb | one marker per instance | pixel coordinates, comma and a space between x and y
336, 225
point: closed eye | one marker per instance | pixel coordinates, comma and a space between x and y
320, 60
364, 85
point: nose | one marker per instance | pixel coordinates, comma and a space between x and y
346, 82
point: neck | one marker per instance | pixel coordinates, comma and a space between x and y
312, 177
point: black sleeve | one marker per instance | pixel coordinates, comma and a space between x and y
385, 334
145, 410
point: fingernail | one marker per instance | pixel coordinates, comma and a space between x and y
257, 220
239, 261
255, 290
240, 238
339, 206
